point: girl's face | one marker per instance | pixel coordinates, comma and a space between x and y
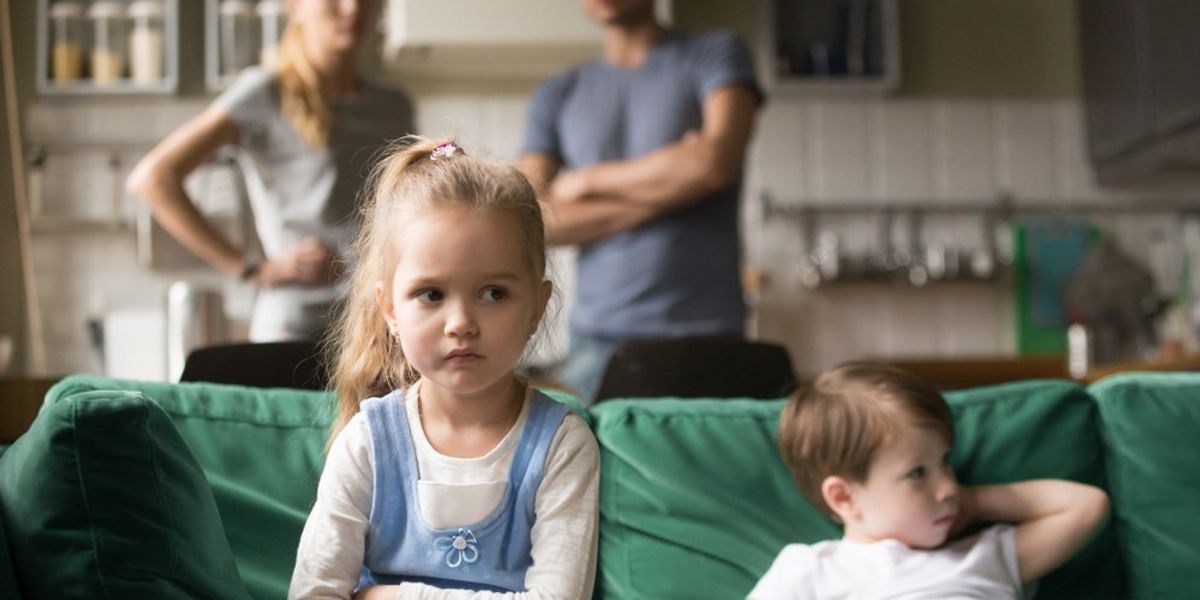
334, 25
463, 300
910, 494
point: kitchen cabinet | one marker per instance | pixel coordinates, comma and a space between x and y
489, 40
829, 45
1142, 95
107, 47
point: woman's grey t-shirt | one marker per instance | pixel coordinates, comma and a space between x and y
297, 191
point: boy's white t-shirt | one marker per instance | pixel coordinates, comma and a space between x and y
980, 566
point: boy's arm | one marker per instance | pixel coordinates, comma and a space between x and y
1053, 518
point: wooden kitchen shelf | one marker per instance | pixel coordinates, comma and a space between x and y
1185, 363
975, 371
968, 372
124, 84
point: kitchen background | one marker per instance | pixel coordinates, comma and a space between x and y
982, 109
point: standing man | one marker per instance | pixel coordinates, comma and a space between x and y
641, 154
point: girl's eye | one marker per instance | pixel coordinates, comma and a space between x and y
429, 296
493, 294
917, 473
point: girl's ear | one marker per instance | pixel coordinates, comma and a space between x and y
384, 303
838, 494
544, 291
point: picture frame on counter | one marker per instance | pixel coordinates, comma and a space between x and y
107, 47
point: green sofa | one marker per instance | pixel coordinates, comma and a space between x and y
127, 489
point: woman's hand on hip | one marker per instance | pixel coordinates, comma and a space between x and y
309, 263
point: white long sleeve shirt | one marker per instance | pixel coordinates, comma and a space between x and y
456, 492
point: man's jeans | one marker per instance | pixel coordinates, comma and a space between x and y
583, 368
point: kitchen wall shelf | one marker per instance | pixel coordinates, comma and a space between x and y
835, 46
50, 225
79, 187
917, 258
135, 51
1004, 206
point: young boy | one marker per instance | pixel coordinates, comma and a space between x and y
868, 445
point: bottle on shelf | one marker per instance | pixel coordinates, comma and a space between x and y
146, 42
66, 49
108, 42
273, 18
238, 36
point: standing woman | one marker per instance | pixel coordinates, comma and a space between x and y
304, 135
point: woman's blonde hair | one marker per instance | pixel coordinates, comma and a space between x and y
408, 181
300, 90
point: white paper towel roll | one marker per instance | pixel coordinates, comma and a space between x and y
135, 344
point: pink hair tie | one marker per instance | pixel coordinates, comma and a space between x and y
445, 150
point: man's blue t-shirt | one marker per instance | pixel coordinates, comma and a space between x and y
677, 274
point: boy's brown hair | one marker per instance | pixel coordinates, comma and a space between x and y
836, 425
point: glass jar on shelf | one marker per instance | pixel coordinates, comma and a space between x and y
239, 48
273, 17
66, 48
146, 42
108, 41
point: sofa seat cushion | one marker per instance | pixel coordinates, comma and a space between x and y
695, 502
102, 498
1150, 424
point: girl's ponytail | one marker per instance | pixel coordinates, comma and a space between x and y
367, 359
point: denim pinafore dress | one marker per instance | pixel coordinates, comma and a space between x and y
490, 555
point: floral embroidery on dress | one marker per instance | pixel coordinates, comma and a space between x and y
459, 548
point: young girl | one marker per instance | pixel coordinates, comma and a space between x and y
454, 479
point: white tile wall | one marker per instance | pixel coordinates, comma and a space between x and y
825, 151
897, 150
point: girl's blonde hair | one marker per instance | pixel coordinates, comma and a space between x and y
300, 90
408, 181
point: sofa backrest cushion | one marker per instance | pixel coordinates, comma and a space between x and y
695, 502
1150, 422
261, 451
8, 572
102, 499
1035, 430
